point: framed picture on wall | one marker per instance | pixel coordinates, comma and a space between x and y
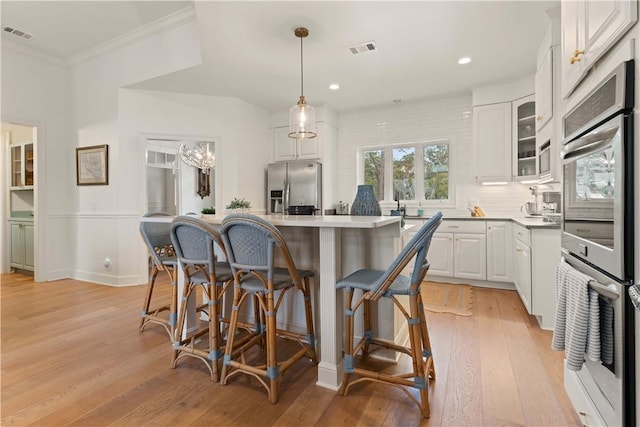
92, 165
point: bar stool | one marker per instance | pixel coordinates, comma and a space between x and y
375, 284
194, 241
156, 236
252, 245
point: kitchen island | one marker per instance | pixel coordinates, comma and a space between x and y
333, 246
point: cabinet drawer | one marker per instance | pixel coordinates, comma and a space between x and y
522, 233
462, 226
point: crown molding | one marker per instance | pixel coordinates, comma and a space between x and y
34, 53
163, 24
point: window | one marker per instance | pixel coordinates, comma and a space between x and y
417, 172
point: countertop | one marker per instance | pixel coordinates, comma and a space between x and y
314, 221
525, 221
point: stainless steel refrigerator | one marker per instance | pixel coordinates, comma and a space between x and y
294, 188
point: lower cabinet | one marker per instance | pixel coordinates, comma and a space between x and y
21, 235
536, 254
459, 249
499, 251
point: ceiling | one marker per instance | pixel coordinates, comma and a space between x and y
250, 52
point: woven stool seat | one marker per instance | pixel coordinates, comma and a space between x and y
376, 284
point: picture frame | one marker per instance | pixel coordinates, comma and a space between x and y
92, 165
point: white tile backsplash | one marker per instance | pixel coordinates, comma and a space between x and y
447, 117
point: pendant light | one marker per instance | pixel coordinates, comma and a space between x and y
198, 155
302, 116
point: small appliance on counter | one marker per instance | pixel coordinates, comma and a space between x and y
342, 208
544, 202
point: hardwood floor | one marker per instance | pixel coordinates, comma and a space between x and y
71, 354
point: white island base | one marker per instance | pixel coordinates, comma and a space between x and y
334, 246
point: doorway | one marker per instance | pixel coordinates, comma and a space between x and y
18, 204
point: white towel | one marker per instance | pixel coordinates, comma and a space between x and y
577, 325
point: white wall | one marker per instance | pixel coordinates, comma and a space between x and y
242, 136
447, 117
36, 91
105, 218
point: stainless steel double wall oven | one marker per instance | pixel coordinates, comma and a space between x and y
597, 228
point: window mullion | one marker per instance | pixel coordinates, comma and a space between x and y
419, 165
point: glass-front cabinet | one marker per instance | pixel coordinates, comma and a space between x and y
524, 137
22, 165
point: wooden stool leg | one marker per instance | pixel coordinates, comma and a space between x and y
177, 336
214, 331
173, 313
147, 300
272, 357
231, 334
309, 316
416, 338
348, 347
430, 369
367, 331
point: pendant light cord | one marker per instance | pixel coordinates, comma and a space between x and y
301, 70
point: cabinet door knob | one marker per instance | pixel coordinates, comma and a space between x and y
576, 56
539, 118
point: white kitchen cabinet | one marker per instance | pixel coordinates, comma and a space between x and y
470, 256
522, 276
499, 249
22, 238
588, 30
440, 255
492, 142
285, 148
22, 165
459, 250
536, 253
524, 139
544, 90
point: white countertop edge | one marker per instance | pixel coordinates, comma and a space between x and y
317, 221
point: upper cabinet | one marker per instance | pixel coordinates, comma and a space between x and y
22, 165
544, 90
285, 148
524, 139
589, 29
492, 142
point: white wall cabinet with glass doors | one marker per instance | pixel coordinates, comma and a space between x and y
588, 30
524, 139
22, 156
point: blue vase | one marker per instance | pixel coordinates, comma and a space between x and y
365, 203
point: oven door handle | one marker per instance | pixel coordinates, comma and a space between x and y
608, 291
589, 143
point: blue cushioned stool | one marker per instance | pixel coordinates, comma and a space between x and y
194, 241
157, 238
375, 284
252, 245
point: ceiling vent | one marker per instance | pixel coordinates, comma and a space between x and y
18, 33
363, 47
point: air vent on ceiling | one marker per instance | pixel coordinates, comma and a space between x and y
18, 33
363, 47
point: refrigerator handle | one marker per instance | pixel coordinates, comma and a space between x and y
285, 197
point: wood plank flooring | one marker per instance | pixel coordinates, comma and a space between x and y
71, 354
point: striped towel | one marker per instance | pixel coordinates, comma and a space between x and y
577, 325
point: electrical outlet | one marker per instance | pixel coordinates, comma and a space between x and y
107, 263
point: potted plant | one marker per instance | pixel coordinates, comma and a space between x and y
208, 211
239, 205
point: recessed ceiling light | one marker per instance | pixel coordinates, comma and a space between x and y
334, 86
464, 60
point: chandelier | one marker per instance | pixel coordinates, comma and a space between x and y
302, 116
198, 155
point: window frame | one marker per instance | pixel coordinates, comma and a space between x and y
419, 171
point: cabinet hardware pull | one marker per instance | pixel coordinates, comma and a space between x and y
539, 118
489, 228
582, 413
576, 56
